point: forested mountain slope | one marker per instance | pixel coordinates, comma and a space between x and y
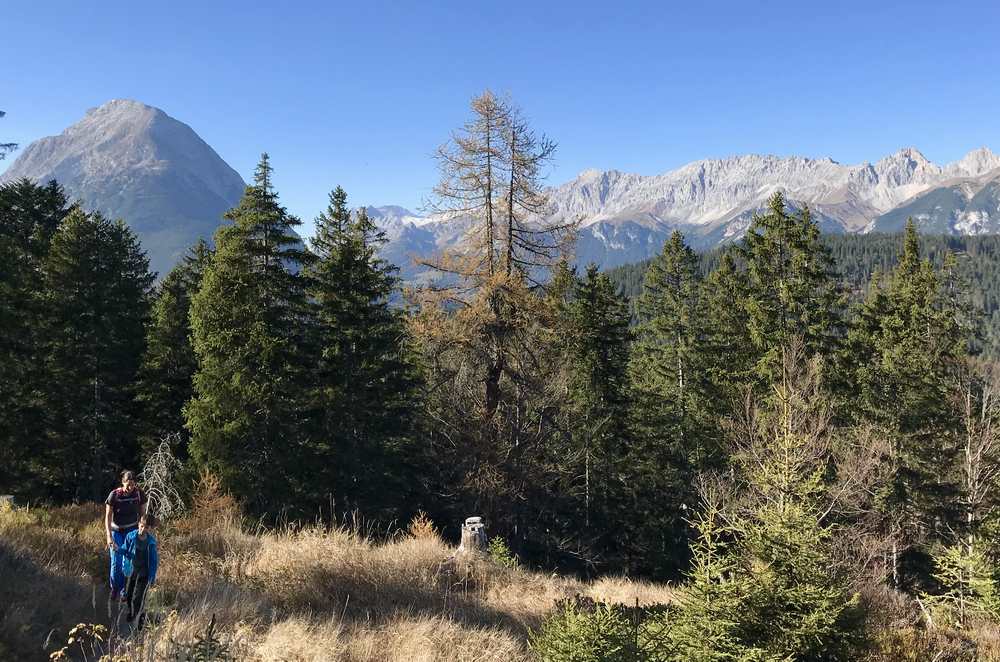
858, 257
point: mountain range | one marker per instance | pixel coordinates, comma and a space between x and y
626, 217
133, 161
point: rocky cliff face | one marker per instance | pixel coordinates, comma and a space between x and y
132, 161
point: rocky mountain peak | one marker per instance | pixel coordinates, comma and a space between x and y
130, 160
977, 162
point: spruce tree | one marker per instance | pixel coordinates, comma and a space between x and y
97, 290
671, 387
767, 582
714, 601
29, 215
598, 385
365, 392
906, 344
169, 362
792, 290
728, 353
250, 325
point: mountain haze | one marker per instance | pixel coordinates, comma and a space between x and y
132, 161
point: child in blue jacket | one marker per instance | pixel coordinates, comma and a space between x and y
141, 561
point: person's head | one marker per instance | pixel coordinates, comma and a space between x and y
147, 523
128, 480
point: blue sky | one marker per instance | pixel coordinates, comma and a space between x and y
359, 94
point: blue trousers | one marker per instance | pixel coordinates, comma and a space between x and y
117, 558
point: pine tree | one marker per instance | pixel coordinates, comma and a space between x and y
365, 377
29, 215
250, 325
169, 363
714, 601
791, 291
97, 290
969, 584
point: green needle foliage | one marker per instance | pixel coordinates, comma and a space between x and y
29, 216
250, 321
97, 284
792, 290
672, 392
904, 351
598, 386
169, 363
970, 586
365, 392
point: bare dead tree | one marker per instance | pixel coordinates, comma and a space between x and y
159, 478
979, 403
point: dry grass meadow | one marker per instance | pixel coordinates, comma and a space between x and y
298, 594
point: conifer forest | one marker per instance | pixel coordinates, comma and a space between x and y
799, 432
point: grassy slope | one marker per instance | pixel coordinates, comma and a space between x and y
305, 594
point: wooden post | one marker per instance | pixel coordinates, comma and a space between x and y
473, 536
6, 501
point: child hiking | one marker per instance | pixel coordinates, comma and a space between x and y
141, 560
124, 506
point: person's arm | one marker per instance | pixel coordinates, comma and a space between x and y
107, 525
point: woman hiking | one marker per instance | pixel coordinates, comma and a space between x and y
123, 509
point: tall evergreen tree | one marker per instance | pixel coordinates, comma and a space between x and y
29, 215
97, 284
792, 291
671, 387
365, 391
169, 363
728, 352
905, 345
781, 596
250, 325
672, 399
601, 436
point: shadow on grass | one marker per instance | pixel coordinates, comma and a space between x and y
39, 606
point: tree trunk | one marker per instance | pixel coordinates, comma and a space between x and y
473, 536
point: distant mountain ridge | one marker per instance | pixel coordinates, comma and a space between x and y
626, 217
130, 160
133, 161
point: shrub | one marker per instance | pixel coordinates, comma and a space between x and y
501, 553
575, 633
421, 527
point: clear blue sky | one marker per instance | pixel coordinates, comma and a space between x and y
360, 93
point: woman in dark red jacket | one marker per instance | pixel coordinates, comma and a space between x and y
124, 506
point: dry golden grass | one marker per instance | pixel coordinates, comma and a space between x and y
305, 594
311, 594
